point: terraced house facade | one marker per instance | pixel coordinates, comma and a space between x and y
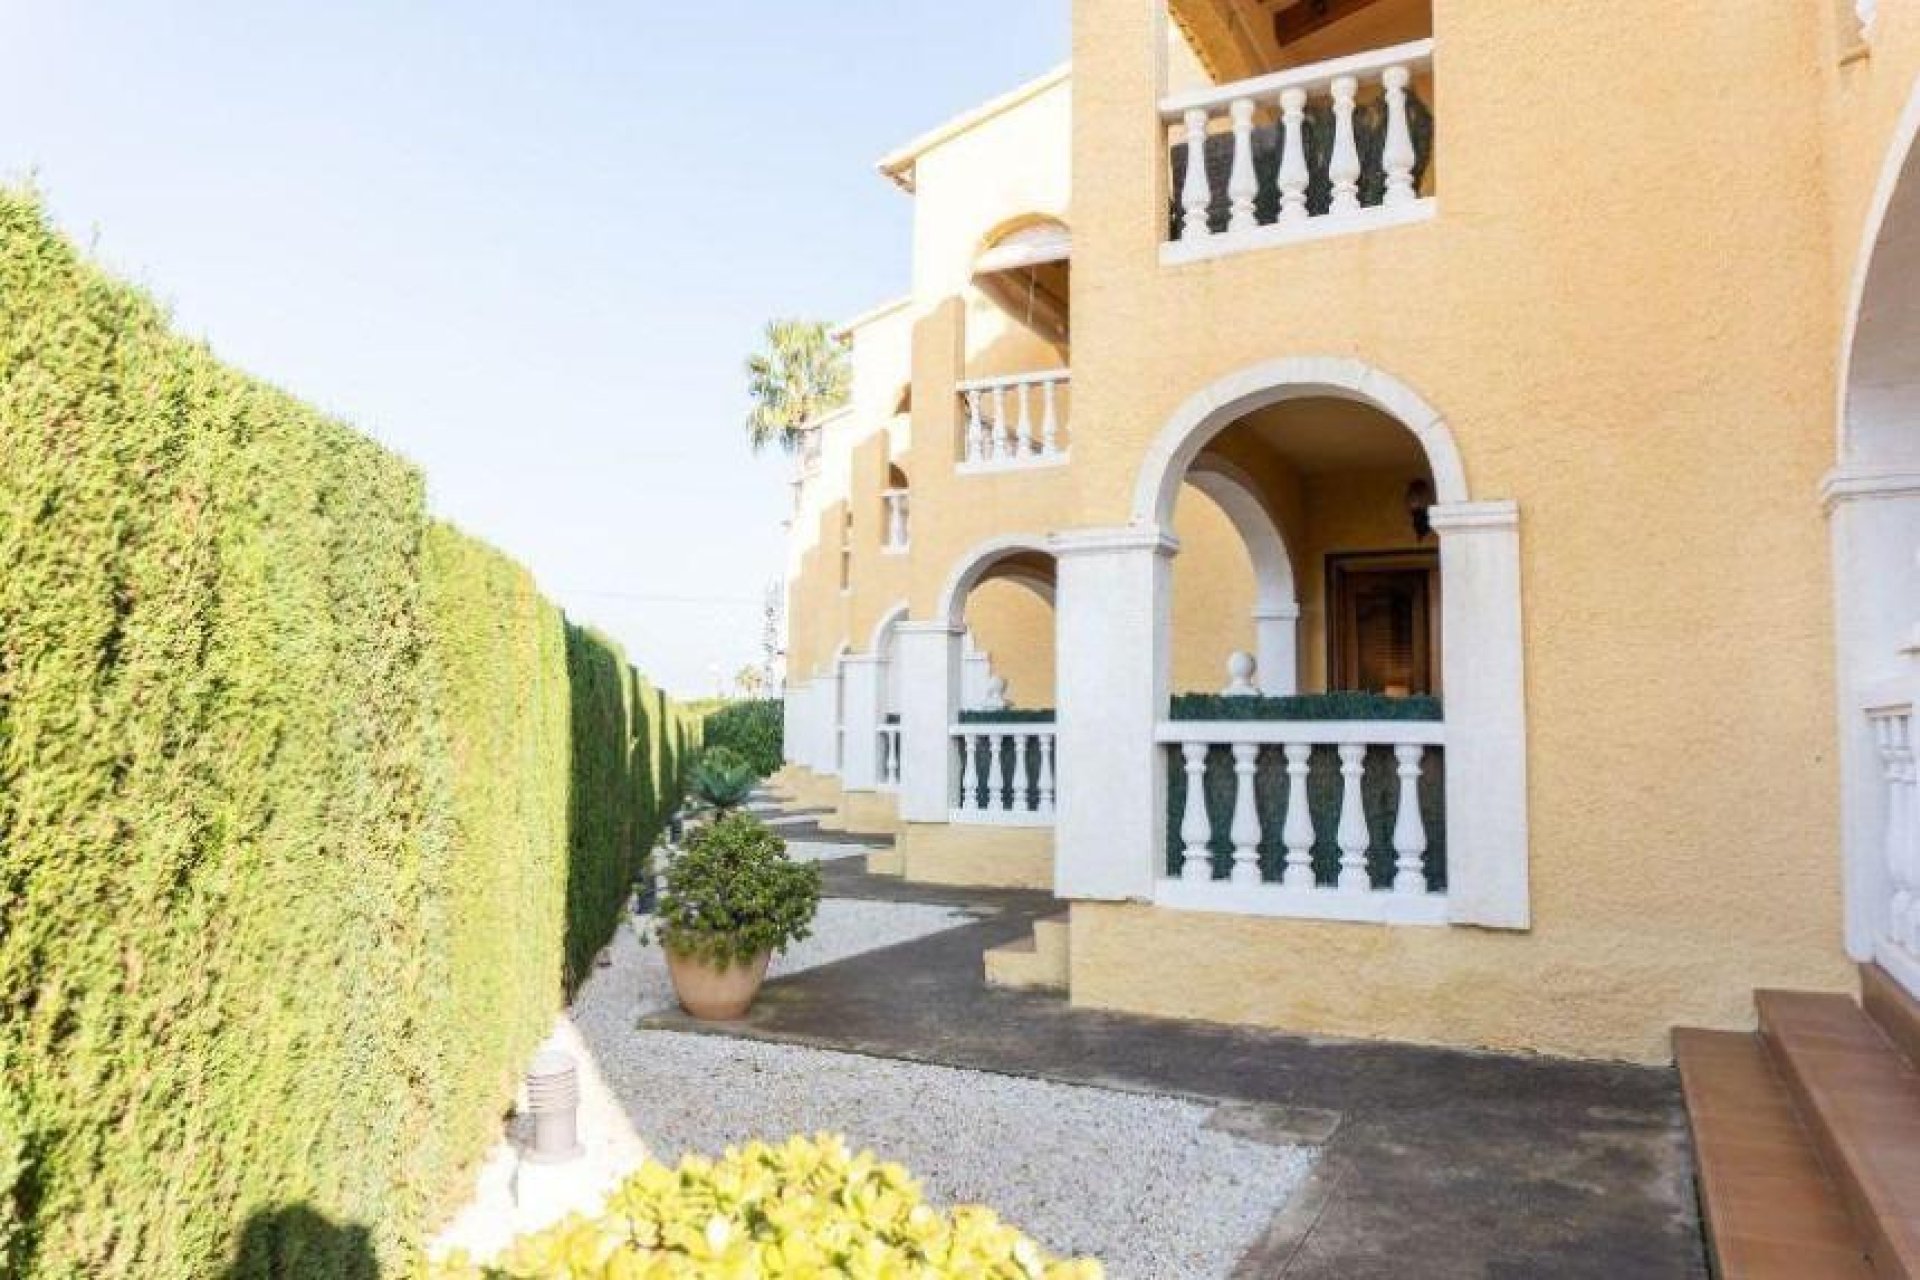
1403, 513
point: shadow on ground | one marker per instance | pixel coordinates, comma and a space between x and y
297, 1242
1436, 1164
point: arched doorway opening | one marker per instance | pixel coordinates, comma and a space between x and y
1873, 500
1001, 755
1255, 851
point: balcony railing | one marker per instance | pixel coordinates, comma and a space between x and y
1897, 946
888, 757
1005, 772
1326, 820
1326, 149
899, 516
1015, 422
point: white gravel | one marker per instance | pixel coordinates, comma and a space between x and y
1135, 1180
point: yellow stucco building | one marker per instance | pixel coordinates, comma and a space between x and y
1441, 568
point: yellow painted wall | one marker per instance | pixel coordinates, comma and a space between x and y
1628, 309
1014, 626
1631, 348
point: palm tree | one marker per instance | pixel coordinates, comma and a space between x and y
800, 376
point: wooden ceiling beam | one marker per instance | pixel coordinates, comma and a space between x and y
1303, 19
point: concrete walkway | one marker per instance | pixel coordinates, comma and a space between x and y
1435, 1164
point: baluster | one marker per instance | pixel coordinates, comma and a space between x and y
1397, 157
989, 780
1049, 419
1024, 800
1293, 157
1409, 828
1196, 193
997, 429
1028, 444
1001, 796
1242, 185
1196, 860
969, 784
1352, 834
1895, 754
1046, 773
1246, 815
1297, 834
1343, 168
976, 429
1909, 935
893, 759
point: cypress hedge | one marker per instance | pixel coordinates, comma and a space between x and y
309, 807
753, 727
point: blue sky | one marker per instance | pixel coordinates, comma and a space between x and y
526, 245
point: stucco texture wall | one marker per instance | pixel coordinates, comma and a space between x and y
1622, 322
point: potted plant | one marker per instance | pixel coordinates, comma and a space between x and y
732, 899
721, 780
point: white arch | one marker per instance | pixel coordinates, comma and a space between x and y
1873, 504
1900, 169
978, 562
883, 628
1238, 496
1271, 382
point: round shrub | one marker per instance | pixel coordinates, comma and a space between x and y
804, 1208
733, 893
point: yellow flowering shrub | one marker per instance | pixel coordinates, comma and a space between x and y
797, 1211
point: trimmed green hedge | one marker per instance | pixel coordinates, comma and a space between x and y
308, 807
1305, 706
1024, 715
755, 728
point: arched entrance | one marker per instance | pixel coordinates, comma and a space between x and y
1320, 456
1873, 500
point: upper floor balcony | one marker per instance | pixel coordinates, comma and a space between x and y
1332, 133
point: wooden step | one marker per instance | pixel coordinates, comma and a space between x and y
1772, 1212
1859, 1099
1892, 1009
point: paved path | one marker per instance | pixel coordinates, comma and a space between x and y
1440, 1164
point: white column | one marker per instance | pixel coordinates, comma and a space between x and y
863, 696
793, 724
1113, 645
929, 658
1873, 518
1293, 176
1195, 192
827, 691
1483, 670
1276, 644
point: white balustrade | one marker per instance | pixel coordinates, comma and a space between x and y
1017, 421
1006, 773
1293, 889
888, 758
1334, 92
898, 514
1898, 949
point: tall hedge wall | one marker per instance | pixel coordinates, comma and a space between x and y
308, 808
754, 727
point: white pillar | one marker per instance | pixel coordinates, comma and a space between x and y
793, 724
1114, 641
1873, 518
1276, 644
823, 693
1484, 676
977, 676
929, 658
862, 696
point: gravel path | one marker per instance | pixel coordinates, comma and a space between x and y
1135, 1180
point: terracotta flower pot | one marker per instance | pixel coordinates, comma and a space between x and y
713, 994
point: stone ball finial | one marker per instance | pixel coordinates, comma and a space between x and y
996, 695
1240, 669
